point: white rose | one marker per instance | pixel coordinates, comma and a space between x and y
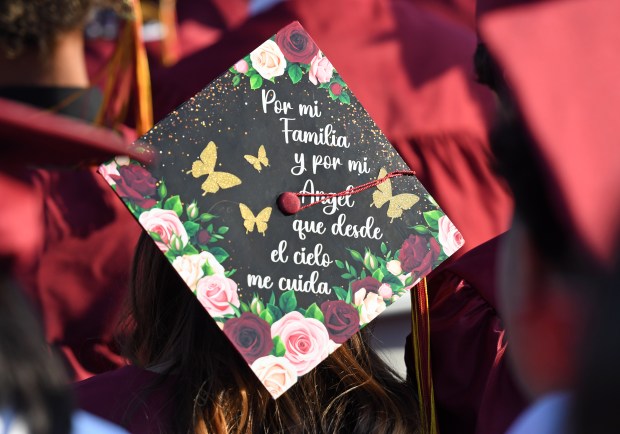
276, 373
394, 267
190, 269
268, 60
449, 236
371, 305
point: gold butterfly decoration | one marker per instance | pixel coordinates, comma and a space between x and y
206, 166
260, 159
260, 220
397, 204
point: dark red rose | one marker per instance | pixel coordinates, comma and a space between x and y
336, 88
203, 236
136, 183
370, 283
418, 254
295, 44
341, 320
251, 336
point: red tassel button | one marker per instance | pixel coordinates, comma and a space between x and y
289, 203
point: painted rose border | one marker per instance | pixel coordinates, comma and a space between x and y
290, 53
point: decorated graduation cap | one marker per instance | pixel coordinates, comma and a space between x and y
563, 73
284, 209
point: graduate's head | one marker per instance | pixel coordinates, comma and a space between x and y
557, 146
352, 391
35, 26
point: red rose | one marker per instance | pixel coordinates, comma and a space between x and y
341, 320
136, 183
203, 237
336, 88
295, 44
418, 254
370, 283
251, 336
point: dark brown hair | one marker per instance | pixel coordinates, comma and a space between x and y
34, 25
352, 391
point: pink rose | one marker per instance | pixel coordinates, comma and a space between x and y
321, 70
449, 236
241, 66
371, 305
165, 223
305, 339
216, 293
385, 291
276, 373
106, 170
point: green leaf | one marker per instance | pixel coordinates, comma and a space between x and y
190, 250
162, 191
236, 80
235, 309
344, 98
288, 301
267, 316
349, 296
347, 276
220, 254
341, 293
256, 81
230, 272
356, 255
210, 228
378, 274
339, 264
275, 311
384, 248
174, 203
216, 237
155, 236
206, 217
363, 274
408, 280
353, 272
278, 347
432, 218
191, 228
272, 299
295, 72
392, 280
314, 312
244, 307
421, 229
222, 230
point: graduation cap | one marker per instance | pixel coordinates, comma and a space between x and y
563, 73
284, 208
31, 136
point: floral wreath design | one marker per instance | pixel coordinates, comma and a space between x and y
278, 338
291, 52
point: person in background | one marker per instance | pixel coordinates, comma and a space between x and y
35, 396
557, 146
76, 278
187, 377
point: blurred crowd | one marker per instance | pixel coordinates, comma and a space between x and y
505, 109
